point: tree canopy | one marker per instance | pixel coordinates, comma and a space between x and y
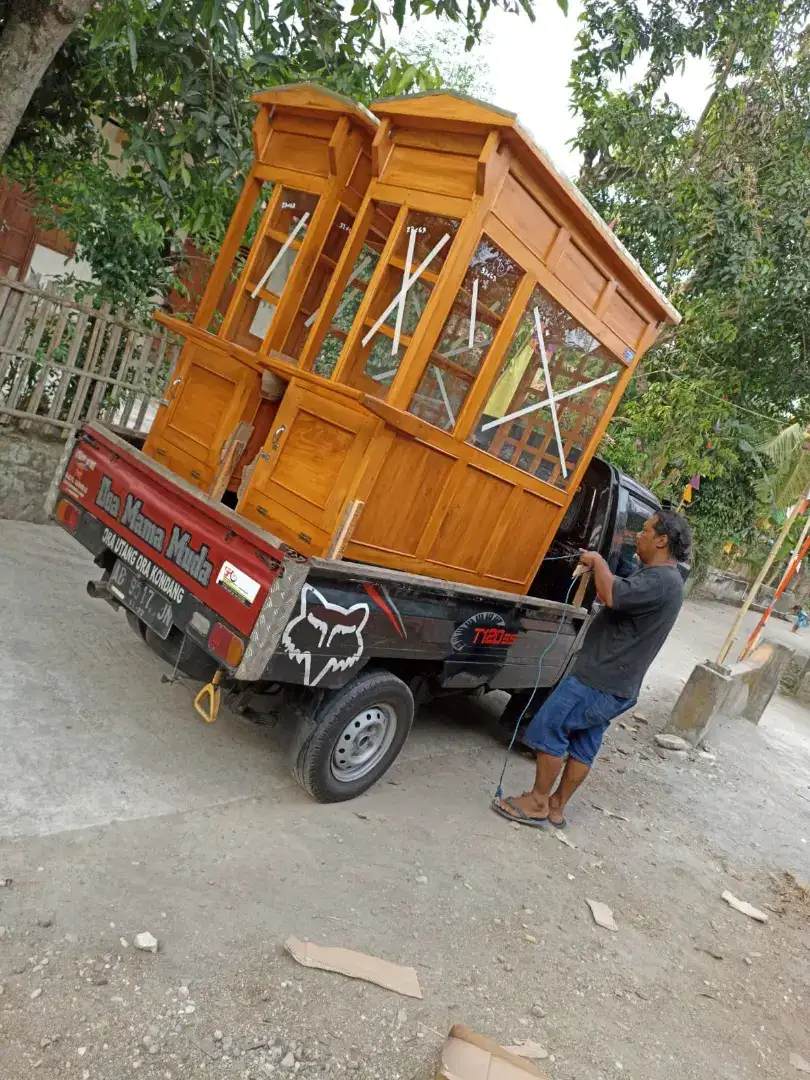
176, 76
717, 210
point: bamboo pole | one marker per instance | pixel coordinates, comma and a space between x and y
796, 557
752, 592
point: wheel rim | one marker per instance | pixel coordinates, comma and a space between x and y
363, 743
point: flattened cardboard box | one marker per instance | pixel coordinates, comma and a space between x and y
468, 1056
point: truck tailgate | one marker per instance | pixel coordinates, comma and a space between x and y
192, 551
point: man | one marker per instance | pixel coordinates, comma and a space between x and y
622, 641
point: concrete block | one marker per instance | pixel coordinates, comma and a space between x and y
803, 690
700, 701
743, 690
766, 666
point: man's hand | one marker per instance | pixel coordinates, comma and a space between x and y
603, 578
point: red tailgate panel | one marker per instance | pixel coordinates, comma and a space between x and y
213, 556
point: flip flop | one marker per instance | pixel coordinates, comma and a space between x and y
558, 824
519, 816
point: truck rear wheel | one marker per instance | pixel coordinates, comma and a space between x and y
358, 732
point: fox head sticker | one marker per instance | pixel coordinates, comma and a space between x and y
324, 637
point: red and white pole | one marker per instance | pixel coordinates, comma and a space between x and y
802, 549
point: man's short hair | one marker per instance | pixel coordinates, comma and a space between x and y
675, 528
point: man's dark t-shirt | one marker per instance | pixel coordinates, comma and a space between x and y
624, 639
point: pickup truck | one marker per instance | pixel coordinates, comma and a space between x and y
343, 651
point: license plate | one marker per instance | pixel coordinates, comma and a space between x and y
141, 599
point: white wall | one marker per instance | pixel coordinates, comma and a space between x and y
48, 265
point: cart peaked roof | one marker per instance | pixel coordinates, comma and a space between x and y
305, 95
454, 111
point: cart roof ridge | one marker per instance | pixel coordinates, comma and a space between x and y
314, 96
461, 108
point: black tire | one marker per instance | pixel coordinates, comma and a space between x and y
516, 708
136, 624
376, 691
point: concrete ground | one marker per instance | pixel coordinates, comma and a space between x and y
121, 812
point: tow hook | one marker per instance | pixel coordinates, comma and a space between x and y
209, 699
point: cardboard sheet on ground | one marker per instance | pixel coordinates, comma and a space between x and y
356, 965
468, 1056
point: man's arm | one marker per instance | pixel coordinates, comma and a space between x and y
603, 578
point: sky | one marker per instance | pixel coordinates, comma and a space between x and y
529, 66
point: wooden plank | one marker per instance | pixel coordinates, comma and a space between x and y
426, 202
468, 144
607, 295
380, 149
230, 245
311, 156
53, 345
70, 360
486, 161
526, 217
577, 271
16, 329
123, 364
296, 178
558, 196
622, 317
427, 170
443, 112
304, 123
157, 364
442, 440
260, 134
337, 142
96, 397
557, 248
93, 349
345, 530
418, 474
138, 377
44, 306
232, 452
308, 99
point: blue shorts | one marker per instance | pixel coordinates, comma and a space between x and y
573, 720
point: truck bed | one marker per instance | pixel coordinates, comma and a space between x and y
197, 572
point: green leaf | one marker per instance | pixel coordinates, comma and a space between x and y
133, 48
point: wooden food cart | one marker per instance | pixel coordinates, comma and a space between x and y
429, 332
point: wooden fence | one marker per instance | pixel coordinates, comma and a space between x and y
65, 361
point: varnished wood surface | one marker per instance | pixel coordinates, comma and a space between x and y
433, 503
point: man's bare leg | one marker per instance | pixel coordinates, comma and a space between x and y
573, 775
535, 803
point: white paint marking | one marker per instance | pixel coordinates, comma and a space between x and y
473, 312
280, 254
420, 270
550, 391
443, 392
403, 292
541, 404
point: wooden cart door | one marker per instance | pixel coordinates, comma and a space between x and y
308, 468
209, 394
